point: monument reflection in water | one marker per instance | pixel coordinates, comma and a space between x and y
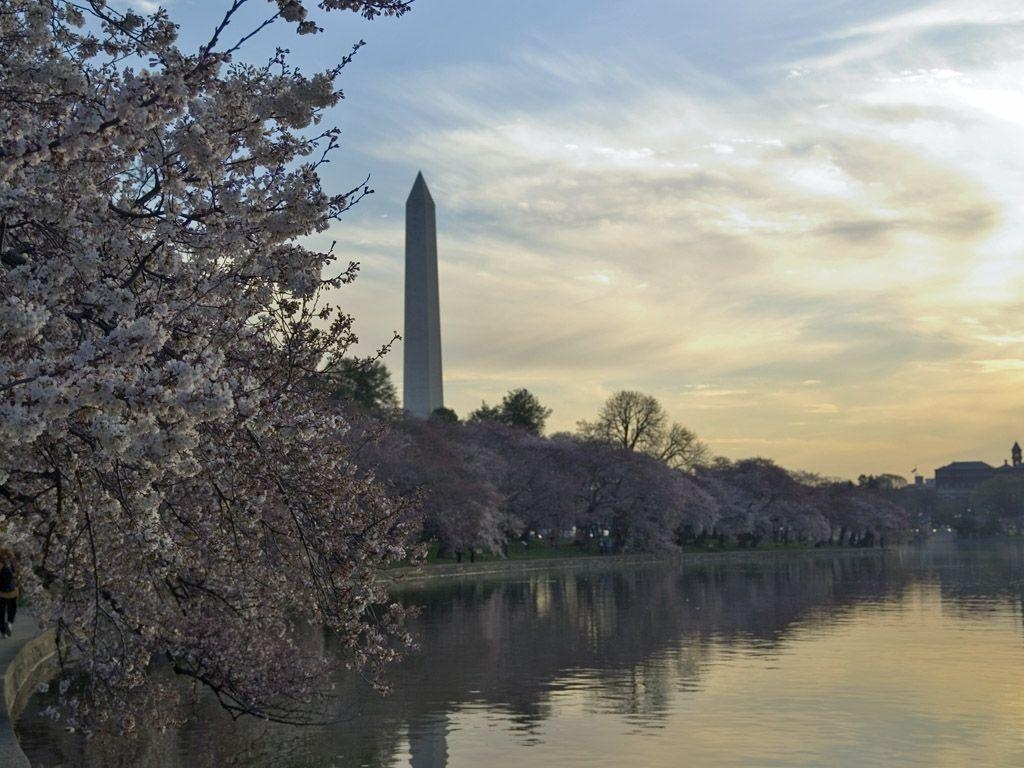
911, 657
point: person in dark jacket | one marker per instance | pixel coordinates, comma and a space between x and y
8, 591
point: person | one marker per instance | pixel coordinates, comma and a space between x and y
8, 591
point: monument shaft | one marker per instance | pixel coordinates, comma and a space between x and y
422, 387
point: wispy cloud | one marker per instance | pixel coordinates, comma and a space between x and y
811, 245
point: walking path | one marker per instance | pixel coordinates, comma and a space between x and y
25, 628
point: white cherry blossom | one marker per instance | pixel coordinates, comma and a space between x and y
177, 491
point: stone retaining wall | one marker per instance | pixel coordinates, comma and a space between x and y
35, 663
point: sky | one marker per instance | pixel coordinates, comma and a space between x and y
797, 223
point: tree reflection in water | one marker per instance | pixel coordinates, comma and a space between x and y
610, 640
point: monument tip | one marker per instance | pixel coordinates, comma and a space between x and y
419, 188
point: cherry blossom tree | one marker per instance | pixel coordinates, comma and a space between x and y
533, 476
174, 485
861, 518
653, 503
760, 501
640, 501
484, 483
453, 482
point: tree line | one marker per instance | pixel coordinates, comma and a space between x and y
630, 480
994, 508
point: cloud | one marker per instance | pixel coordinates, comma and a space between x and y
1001, 366
811, 245
822, 408
146, 6
958, 13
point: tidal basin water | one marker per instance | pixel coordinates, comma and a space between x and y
912, 657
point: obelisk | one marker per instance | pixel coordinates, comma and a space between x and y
422, 392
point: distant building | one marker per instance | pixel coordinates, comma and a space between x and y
958, 480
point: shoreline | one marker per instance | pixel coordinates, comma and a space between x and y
422, 574
26, 659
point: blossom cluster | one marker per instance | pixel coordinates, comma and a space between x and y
487, 486
173, 484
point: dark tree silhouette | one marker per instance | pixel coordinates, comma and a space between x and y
364, 383
444, 414
519, 408
638, 422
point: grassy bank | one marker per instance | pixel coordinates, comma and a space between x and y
542, 559
542, 549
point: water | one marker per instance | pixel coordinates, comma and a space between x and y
907, 658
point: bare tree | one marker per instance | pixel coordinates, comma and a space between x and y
629, 419
638, 422
680, 448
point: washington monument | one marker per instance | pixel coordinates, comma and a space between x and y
422, 390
